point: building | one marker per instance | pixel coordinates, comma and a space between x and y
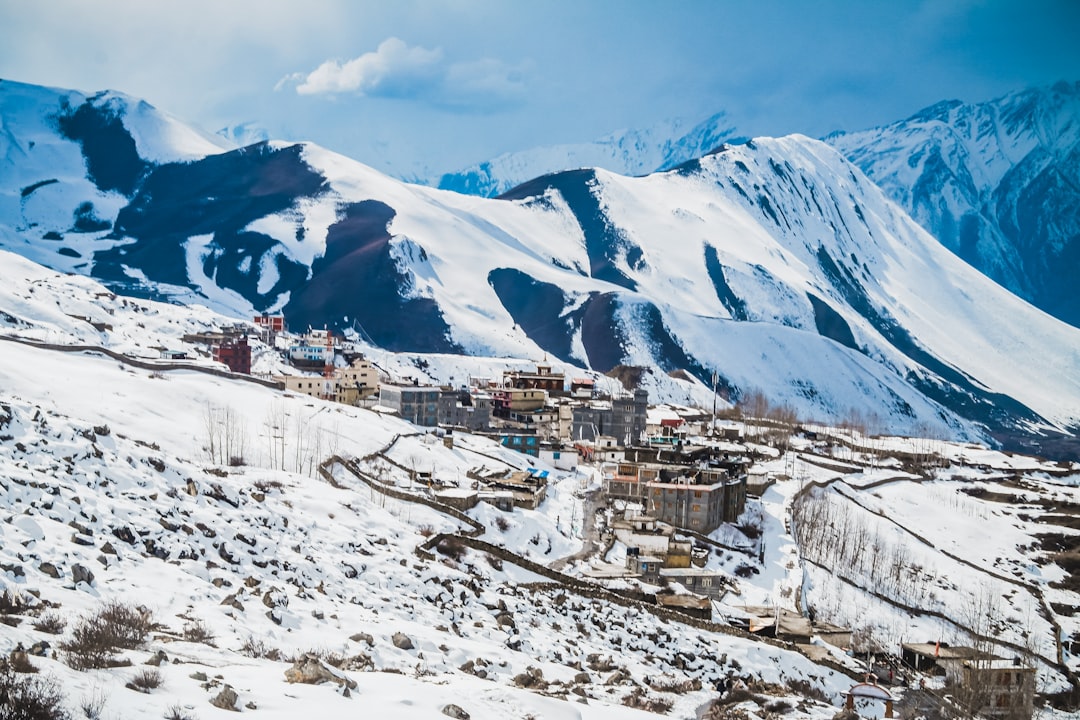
235, 354
419, 404
358, 382
709, 583
350, 385
623, 418
999, 688
316, 349
465, 408
270, 326
543, 378
694, 498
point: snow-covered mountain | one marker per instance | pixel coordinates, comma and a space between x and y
627, 152
775, 263
997, 182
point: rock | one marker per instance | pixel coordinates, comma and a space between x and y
231, 601
365, 638
310, 670
226, 699
157, 658
617, 678
455, 711
40, 648
402, 641
49, 569
505, 619
108, 549
198, 675
583, 677
81, 573
532, 678
15, 570
275, 598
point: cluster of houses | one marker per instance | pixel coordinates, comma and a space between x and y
665, 494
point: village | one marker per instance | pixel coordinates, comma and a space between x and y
670, 477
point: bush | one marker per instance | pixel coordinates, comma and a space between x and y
502, 523
177, 712
146, 680
255, 647
30, 697
115, 626
197, 631
51, 623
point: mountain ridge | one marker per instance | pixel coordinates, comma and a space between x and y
824, 293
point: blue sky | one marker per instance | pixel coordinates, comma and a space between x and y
405, 85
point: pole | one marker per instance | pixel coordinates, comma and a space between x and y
712, 428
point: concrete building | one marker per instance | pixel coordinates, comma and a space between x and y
999, 688
236, 354
416, 403
698, 499
623, 418
351, 385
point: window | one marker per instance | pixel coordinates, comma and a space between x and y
697, 493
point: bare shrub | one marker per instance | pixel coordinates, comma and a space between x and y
255, 647
93, 705
426, 530
502, 523
30, 697
51, 623
146, 680
115, 626
197, 631
177, 712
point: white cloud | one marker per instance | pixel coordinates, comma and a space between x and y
393, 70
398, 70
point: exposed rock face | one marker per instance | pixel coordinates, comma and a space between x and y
310, 670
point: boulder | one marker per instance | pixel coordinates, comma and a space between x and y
364, 638
81, 573
455, 711
310, 670
402, 641
49, 569
226, 699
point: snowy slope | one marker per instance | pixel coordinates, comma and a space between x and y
109, 494
627, 152
996, 182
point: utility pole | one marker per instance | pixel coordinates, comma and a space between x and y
712, 428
